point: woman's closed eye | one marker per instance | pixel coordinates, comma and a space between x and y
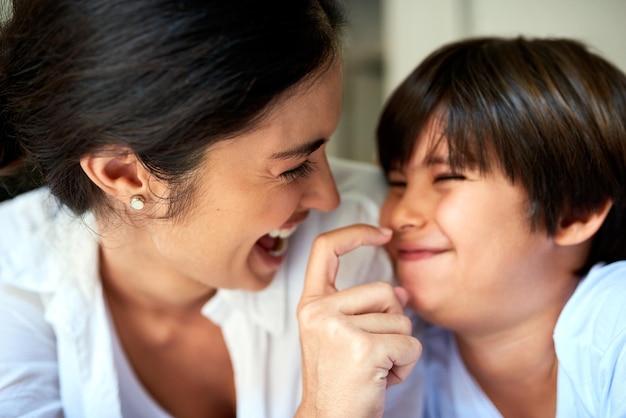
304, 170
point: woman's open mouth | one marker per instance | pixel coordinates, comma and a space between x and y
275, 243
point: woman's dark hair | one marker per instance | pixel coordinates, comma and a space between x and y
549, 113
165, 79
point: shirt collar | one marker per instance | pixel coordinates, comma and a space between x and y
266, 308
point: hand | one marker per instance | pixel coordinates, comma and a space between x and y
355, 342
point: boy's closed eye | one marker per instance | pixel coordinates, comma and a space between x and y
449, 176
396, 179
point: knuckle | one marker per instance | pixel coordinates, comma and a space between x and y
309, 313
322, 241
336, 327
363, 349
405, 324
417, 347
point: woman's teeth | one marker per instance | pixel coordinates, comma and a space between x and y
279, 249
282, 232
281, 235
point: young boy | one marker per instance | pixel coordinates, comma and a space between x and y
506, 160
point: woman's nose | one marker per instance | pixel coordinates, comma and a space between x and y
321, 193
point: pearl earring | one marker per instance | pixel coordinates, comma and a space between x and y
137, 202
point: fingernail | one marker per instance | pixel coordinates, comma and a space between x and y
386, 231
401, 294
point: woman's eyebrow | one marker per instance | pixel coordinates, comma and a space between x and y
301, 150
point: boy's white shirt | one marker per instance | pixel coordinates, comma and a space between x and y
590, 343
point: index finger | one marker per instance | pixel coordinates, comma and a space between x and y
328, 247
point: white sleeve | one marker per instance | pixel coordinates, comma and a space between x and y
590, 342
613, 373
28, 364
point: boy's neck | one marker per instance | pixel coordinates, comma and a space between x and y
517, 367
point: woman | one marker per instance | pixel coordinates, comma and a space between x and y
181, 146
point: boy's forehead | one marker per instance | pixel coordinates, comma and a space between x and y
431, 142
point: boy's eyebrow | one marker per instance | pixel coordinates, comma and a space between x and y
301, 150
396, 171
435, 159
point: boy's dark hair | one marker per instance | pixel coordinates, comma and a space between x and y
549, 113
166, 79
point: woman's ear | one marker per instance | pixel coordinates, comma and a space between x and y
575, 230
118, 172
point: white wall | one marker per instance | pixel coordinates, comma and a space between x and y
413, 28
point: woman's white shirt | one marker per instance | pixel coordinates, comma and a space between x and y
59, 356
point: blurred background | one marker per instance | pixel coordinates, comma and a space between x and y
388, 38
